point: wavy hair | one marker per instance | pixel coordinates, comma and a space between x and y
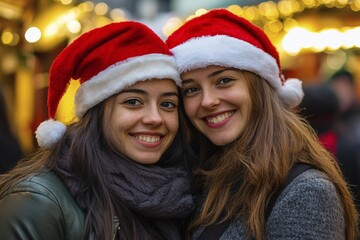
265, 169
87, 146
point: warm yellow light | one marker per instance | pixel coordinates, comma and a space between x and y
269, 10
356, 3
343, 2
171, 25
327, 1
355, 33
101, 8
289, 24
309, 3
33, 34
328, 39
251, 13
235, 9
200, 12
51, 30
292, 42
74, 26
355, 7
296, 6
331, 38
15, 39
348, 39
87, 6
336, 60
117, 14
318, 43
285, 8
66, 2
275, 26
53, 24
7, 37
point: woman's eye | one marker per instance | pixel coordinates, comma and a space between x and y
189, 90
224, 80
169, 105
134, 102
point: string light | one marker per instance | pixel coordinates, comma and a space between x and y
276, 18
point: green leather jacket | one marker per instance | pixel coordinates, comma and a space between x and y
40, 207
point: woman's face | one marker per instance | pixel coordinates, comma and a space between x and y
143, 121
217, 101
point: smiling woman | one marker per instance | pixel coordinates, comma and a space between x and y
118, 172
142, 120
249, 140
209, 88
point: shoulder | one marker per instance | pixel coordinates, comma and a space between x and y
45, 186
39, 206
311, 184
308, 207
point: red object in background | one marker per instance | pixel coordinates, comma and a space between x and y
329, 141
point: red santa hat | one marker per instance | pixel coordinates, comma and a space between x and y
222, 38
105, 61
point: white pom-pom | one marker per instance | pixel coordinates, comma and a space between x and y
291, 93
49, 133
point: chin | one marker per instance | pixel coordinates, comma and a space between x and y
147, 160
222, 142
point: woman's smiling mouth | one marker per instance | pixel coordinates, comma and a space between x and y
219, 118
148, 138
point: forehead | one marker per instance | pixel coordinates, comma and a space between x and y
207, 71
155, 84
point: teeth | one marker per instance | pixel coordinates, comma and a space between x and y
219, 118
146, 138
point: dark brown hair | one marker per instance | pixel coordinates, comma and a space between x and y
86, 144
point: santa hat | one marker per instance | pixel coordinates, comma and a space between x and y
105, 61
221, 38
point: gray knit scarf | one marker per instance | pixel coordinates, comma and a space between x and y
149, 190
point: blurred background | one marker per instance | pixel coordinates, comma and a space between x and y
315, 38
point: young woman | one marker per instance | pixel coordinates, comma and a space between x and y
249, 140
117, 172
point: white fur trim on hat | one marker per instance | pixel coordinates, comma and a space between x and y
222, 50
291, 93
226, 51
49, 133
121, 75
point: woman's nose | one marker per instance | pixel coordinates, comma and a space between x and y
210, 99
153, 116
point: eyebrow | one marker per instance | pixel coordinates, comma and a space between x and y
213, 74
140, 91
218, 72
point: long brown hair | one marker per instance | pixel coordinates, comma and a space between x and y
87, 146
83, 140
274, 139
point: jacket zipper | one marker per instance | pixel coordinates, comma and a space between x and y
117, 226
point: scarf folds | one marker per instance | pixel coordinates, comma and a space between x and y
151, 190
148, 190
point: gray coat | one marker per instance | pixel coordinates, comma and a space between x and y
308, 208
